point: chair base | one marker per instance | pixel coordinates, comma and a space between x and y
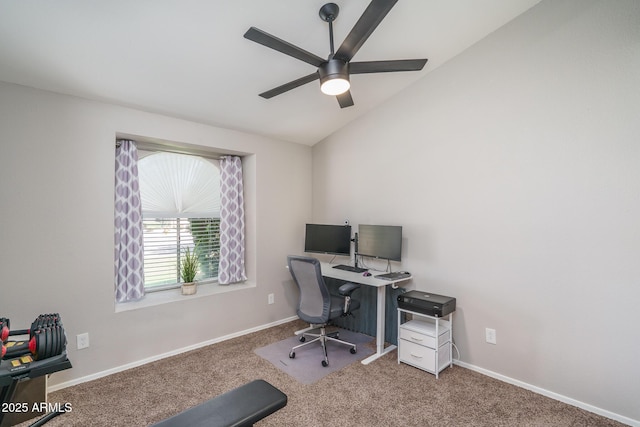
321, 337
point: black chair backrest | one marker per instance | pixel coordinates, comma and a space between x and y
314, 304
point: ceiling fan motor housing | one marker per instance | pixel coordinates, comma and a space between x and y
333, 69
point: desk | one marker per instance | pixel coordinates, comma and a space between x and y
348, 276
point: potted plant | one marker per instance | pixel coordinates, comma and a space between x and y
188, 271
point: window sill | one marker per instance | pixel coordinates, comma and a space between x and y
172, 295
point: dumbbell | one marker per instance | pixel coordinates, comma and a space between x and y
44, 343
46, 337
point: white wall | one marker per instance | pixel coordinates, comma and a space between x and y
56, 232
515, 171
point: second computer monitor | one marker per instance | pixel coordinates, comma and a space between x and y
380, 241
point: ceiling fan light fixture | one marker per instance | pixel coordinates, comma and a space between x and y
334, 77
335, 86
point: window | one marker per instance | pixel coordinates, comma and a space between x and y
181, 209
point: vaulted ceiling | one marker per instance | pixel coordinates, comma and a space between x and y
188, 58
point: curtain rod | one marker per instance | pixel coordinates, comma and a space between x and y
169, 148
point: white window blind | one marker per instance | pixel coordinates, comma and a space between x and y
164, 245
181, 209
177, 185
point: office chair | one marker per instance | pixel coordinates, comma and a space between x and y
316, 306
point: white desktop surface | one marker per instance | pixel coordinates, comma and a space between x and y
328, 270
348, 276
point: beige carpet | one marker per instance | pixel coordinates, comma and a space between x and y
380, 394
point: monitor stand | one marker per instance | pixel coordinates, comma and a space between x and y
355, 250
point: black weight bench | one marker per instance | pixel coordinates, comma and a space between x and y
240, 407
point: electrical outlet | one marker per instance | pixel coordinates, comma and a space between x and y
490, 335
82, 341
271, 299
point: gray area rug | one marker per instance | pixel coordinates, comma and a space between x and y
307, 367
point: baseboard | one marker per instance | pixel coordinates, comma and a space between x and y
550, 394
121, 368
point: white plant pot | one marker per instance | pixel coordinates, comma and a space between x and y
189, 288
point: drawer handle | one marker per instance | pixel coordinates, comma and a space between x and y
416, 338
416, 356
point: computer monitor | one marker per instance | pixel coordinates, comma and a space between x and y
380, 241
328, 239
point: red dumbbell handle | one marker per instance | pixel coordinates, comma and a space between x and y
19, 352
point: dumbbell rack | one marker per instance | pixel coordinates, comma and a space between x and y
47, 355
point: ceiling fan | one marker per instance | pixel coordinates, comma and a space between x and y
334, 71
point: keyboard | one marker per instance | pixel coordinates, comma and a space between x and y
350, 268
394, 275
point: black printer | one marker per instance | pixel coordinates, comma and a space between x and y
427, 303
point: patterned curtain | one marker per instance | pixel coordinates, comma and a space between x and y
129, 265
231, 268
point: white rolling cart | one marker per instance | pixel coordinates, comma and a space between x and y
425, 341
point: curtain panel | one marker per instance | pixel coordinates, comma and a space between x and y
231, 269
129, 260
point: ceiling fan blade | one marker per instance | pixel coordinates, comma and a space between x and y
345, 99
368, 22
386, 66
280, 45
288, 86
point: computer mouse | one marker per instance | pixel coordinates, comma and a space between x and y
366, 273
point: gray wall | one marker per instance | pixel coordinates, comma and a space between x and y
56, 237
514, 169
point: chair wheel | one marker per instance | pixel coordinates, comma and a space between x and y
324, 363
292, 355
302, 339
353, 350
